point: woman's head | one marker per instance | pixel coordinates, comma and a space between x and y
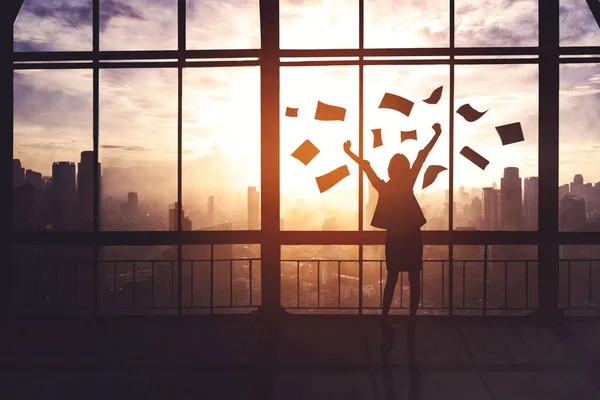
399, 166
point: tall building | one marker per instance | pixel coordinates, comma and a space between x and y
210, 213
253, 208
474, 216
530, 202
23, 212
61, 198
572, 213
132, 199
85, 190
490, 209
186, 223
563, 190
35, 178
511, 199
18, 172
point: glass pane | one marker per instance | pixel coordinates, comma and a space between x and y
138, 25
577, 24
414, 84
138, 148
234, 274
579, 180
54, 25
314, 277
221, 148
223, 25
326, 25
52, 127
492, 23
59, 277
303, 207
137, 277
579, 279
390, 24
503, 195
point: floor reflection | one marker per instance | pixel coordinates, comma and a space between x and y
387, 345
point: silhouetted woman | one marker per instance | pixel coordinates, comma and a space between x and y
399, 213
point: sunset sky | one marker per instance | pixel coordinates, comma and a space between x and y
138, 108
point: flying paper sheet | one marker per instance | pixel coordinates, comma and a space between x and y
511, 133
397, 103
329, 180
469, 113
431, 174
474, 157
291, 112
436, 95
327, 112
377, 138
408, 135
306, 152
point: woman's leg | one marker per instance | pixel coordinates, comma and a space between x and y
388, 291
414, 278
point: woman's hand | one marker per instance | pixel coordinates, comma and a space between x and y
437, 128
347, 145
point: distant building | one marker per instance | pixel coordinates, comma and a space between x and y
186, 223
210, 213
253, 208
490, 209
572, 213
511, 199
23, 213
563, 190
18, 172
530, 203
60, 200
85, 190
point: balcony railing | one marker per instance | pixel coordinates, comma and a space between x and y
307, 285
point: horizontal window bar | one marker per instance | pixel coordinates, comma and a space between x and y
293, 238
132, 55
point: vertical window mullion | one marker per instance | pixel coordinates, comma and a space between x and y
181, 46
451, 160
95, 139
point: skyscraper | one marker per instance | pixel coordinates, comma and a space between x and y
132, 199
186, 223
511, 199
572, 213
490, 209
18, 172
253, 208
530, 202
61, 197
210, 213
85, 190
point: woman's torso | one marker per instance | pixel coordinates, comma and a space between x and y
397, 209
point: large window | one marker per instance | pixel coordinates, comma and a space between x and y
184, 118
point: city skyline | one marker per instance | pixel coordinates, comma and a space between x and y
69, 197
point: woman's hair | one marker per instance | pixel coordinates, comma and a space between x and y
399, 165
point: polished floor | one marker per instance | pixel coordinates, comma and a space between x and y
302, 357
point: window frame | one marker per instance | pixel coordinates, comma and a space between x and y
548, 55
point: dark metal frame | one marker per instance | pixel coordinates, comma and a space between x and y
270, 58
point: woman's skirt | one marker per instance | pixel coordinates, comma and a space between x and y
404, 251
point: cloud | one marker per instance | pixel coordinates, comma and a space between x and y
76, 15
126, 148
